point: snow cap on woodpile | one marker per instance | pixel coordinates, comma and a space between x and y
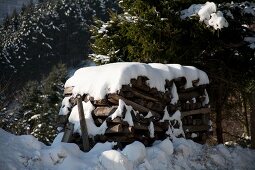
97, 81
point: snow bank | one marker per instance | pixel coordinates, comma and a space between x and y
25, 152
113, 159
110, 77
207, 13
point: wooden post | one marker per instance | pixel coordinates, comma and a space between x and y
68, 132
83, 126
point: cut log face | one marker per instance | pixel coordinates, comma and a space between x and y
104, 111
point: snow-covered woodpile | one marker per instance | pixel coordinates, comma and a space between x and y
124, 102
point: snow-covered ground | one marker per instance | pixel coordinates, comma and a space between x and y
25, 152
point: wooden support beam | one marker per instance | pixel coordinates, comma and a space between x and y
83, 126
68, 132
194, 112
136, 106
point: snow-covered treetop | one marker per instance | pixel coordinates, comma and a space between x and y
97, 81
207, 13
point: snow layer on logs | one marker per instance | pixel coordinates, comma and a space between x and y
97, 81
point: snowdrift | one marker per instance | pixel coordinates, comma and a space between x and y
25, 152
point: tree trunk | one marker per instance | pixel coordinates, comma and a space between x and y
220, 91
252, 118
246, 126
219, 131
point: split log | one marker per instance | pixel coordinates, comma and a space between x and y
114, 129
134, 105
104, 111
194, 112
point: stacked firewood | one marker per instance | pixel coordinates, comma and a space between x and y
148, 108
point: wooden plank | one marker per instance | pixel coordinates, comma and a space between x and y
134, 105
83, 126
68, 132
194, 112
104, 111
197, 128
68, 90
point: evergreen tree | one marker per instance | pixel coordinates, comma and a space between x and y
153, 31
40, 102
